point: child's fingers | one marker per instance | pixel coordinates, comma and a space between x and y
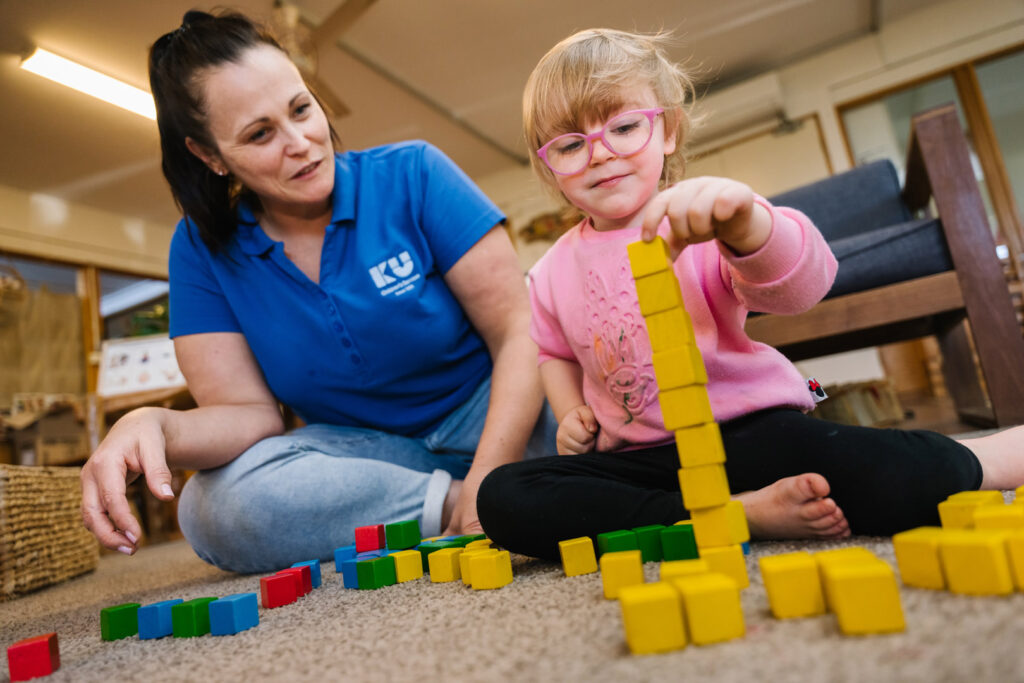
587, 419
655, 211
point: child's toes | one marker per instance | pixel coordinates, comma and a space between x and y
818, 509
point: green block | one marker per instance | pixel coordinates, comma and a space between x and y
192, 618
430, 546
376, 573
614, 541
119, 621
384, 567
402, 535
649, 540
678, 543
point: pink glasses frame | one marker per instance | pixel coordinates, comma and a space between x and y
651, 114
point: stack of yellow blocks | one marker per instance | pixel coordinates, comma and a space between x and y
852, 582
978, 550
719, 523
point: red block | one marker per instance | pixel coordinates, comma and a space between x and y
32, 657
369, 538
305, 583
278, 590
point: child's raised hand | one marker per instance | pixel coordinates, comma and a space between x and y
705, 208
577, 432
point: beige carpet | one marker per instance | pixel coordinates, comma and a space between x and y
542, 627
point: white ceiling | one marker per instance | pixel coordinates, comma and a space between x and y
450, 71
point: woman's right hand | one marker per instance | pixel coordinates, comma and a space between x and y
577, 432
134, 446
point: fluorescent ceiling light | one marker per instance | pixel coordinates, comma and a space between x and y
66, 72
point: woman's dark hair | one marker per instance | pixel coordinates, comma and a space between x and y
203, 40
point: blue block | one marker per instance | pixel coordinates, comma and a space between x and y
746, 547
314, 570
372, 554
346, 552
349, 573
155, 619
233, 614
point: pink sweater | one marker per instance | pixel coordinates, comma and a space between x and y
585, 310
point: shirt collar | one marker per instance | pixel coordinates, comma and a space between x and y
253, 241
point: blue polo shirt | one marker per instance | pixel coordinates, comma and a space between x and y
380, 342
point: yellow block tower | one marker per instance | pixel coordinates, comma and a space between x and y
719, 523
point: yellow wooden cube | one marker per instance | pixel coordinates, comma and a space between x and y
728, 560
793, 585
481, 543
669, 329
652, 616
999, 517
464, 565
700, 445
837, 556
679, 367
658, 292
408, 565
1015, 551
646, 258
865, 597
704, 487
685, 407
917, 555
491, 569
444, 565
673, 569
975, 562
1019, 495
578, 556
621, 569
957, 511
711, 606
720, 526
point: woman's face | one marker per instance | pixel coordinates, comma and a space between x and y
269, 131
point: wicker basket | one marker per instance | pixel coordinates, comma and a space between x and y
42, 540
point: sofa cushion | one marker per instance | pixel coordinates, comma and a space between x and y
849, 203
888, 255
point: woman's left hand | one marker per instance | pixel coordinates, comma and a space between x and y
706, 208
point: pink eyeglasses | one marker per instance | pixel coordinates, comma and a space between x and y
625, 135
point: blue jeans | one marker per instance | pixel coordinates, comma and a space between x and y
299, 496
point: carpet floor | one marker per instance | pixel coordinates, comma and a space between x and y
542, 627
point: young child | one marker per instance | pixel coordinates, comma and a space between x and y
606, 113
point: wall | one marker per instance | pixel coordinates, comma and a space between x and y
51, 228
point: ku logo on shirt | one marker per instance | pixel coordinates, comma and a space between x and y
395, 275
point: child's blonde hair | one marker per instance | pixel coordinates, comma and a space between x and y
581, 81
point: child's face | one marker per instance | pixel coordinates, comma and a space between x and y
614, 190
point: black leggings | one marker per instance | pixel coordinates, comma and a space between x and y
885, 480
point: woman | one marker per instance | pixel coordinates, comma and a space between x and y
374, 292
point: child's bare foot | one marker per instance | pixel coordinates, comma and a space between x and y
792, 508
1002, 458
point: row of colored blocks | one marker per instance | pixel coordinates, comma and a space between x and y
218, 616
445, 559
654, 543
180, 618
857, 586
